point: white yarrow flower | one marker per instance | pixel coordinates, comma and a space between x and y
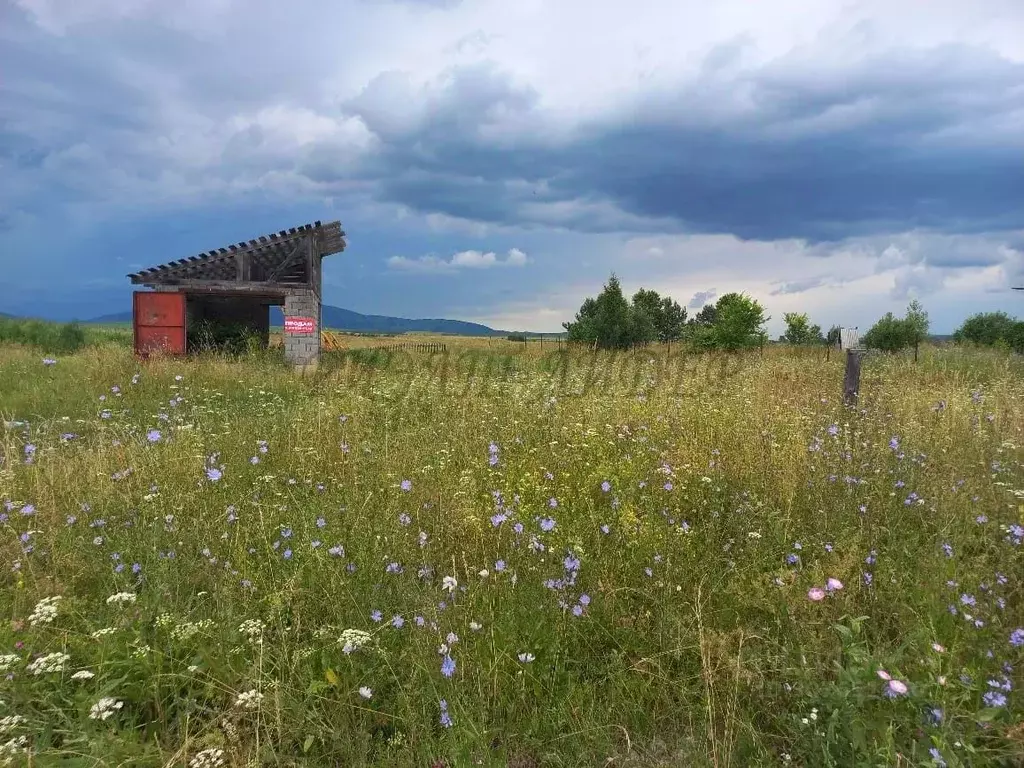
352, 640
45, 611
104, 708
249, 700
365, 692
51, 662
83, 674
208, 758
121, 598
8, 660
253, 630
9, 723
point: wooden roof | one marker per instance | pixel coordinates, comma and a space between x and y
269, 254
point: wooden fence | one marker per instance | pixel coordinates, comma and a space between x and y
411, 346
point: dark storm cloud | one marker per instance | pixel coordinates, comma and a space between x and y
904, 141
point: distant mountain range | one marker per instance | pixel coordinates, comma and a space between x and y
346, 320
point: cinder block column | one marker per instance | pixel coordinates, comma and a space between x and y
302, 349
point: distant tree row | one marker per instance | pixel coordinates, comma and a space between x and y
735, 321
611, 321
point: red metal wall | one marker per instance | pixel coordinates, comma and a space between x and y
158, 319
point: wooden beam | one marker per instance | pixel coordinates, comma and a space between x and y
250, 287
295, 255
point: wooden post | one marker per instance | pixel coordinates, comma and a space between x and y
851, 379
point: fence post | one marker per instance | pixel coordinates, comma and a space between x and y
851, 378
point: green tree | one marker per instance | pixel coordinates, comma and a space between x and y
985, 329
891, 334
706, 317
646, 311
657, 318
799, 329
606, 320
917, 323
834, 336
739, 322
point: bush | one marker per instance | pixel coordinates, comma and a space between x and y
44, 336
992, 329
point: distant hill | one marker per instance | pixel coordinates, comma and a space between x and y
347, 320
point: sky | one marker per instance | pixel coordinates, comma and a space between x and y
496, 161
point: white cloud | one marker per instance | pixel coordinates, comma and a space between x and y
461, 260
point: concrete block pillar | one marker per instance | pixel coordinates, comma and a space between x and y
302, 330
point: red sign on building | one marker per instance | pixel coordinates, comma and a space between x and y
299, 325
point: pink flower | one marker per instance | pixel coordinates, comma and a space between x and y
938, 648
897, 687
833, 584
816, 594
883, 674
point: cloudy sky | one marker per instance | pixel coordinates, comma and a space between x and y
495, 160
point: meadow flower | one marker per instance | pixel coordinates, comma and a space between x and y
10, 722
994, 699
104, 708
376, 616
446, 720
249, 700
48, 664
449, 584
475, 626
49, 361
526, 658
397, 622
895, 688
938, 648
8, 660
406, 485
83, 674
207, 758
833, 585
252, 629
937, 757
816, 594
547, 524
121, 598
606, 486
352, 640
153, 436
365, 692
45, 611
1017, 637
213, 474
447, 665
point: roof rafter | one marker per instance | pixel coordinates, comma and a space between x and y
272, 253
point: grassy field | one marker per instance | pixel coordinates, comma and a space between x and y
527, 559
